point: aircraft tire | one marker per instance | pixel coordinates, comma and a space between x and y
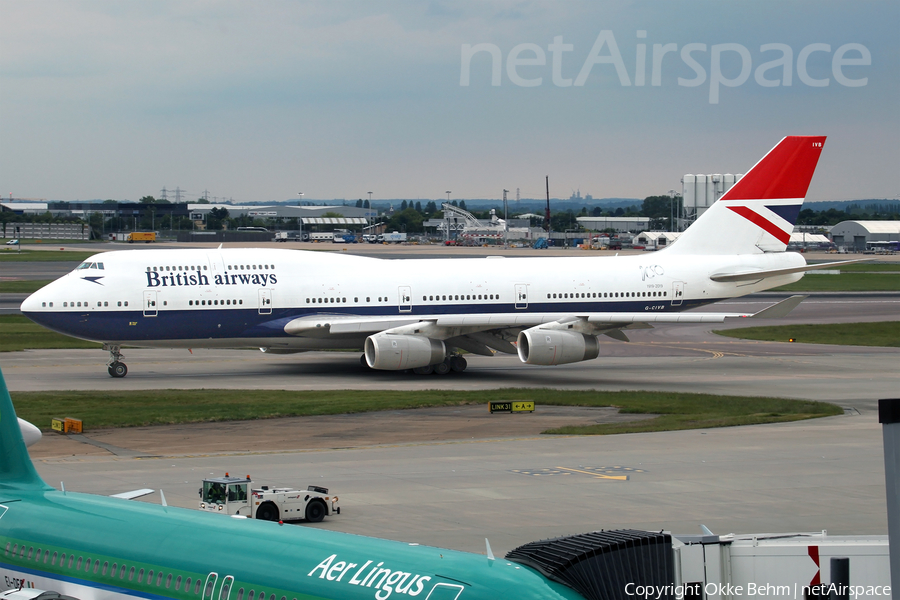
427, 370
315, 511
442, 368
362, 361
117, 369
267, 512
458, 364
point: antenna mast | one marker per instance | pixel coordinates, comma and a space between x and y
547, 213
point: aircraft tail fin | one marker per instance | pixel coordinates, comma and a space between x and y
16, 469
759, 212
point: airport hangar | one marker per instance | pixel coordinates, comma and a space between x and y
856, 235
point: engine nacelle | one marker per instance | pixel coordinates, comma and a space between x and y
391, 352
555, 347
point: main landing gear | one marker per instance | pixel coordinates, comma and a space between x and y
452, 364
115, 366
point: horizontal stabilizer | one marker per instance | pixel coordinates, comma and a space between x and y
781, 309
755, 275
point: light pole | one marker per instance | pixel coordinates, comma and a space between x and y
370, 199
672, 211
300, 219
505, 220
448, 196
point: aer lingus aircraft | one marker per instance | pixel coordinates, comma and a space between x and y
418, 314
91, 547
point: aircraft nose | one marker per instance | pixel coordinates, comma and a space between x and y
38, 302
33, 302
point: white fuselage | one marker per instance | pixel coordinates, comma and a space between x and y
244, 297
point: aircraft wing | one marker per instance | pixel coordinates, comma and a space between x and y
132, 494
479, 332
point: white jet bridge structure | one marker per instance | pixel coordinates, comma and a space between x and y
469, 228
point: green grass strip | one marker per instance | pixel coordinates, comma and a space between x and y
876, 267
845, 282
22, 286
165, 407
18, 333
76, 256
882, 333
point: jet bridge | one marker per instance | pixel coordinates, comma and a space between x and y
640, 565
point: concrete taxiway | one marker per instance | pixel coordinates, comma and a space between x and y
806, 476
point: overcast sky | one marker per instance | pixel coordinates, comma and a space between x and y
257, 101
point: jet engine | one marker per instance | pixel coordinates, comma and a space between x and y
392, 352
555, 347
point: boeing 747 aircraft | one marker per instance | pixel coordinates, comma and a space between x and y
419, 314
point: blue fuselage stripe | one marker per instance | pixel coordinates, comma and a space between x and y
224, 323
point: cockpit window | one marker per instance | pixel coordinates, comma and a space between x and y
89, 265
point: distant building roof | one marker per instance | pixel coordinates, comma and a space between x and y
875, 226
286, 211
855, 232
620, 224
799, 237
22, 207
334, 221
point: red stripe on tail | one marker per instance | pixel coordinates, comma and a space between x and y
760, 221
785, 172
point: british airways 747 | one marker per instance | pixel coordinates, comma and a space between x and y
419, 314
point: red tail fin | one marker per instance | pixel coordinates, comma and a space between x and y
759, 212
785, 172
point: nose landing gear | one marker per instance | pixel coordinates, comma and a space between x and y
115, 366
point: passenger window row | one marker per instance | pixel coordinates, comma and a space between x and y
261, 596
341, 300
116, 571
250, 267
194, 268
215, 302
460, 297
90, 565
610, 295
176, 268
84, 304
